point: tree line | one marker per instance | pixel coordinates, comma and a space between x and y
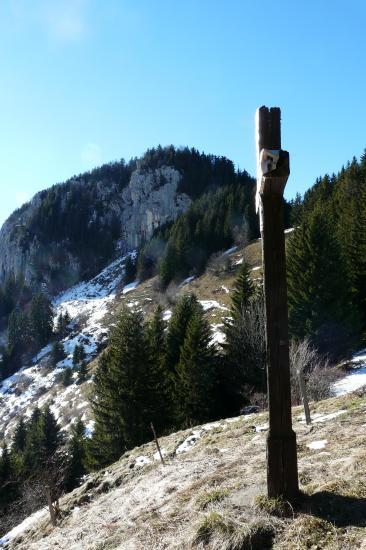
326, 259
173, 374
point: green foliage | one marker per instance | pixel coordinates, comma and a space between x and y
76, 447
78, 355
66, 377
244, 361
41, 318
196, 376
318, 290
243, 290
58, 352
82, 373
212, 223
130, 270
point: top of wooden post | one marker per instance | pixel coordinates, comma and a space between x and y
269, 128
273, 165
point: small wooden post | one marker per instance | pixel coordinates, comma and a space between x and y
50, 506
157, 443
304, 396
273, 170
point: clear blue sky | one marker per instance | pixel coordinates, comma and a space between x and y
88, 81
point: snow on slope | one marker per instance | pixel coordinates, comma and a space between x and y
357, 377
87, 304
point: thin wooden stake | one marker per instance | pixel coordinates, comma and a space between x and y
50, 506
304, 397
157, 443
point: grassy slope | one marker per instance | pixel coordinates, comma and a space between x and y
206, 497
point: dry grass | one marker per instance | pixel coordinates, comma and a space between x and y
208, 497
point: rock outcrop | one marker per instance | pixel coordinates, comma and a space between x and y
150, 199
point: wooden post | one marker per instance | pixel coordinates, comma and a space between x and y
50, 506
273, 170
157, 443
304, 396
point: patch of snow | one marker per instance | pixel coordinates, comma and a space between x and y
167, 315
239, 262
218, 337
355, 379
289, 230
187, 281
225, 289
22, 527
256, 268
262, 428
89, 428
317, 417
230, 250
157, 456
317, 444
212, 304
189, 442
130, 287
142, 461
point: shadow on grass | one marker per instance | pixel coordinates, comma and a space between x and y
340, 510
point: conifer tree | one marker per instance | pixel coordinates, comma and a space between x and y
58, 352
107, 442
41, 318
196, 373
160, 387
244, 349
243, 290
77, 456
82, 373
50, 435
79, 355
318, 290
20, 436
130, 270
183, 311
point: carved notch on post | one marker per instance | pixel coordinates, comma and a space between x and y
273, 169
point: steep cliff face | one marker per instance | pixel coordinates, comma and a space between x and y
73, 229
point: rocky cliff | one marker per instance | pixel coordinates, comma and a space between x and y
40, 241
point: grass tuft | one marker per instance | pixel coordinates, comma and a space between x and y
204, 500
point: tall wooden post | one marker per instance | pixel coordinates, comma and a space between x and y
273, 169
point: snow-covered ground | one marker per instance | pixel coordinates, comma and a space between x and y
22, 527
356, 379
87, 304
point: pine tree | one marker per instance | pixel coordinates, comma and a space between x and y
318, 288
7, 488
41, 318
183, 311
122, 404
67, 377
20, 436
159, 387
77, 456
79, 355
130, 270
243, 290
58, 353
82, 373
196, 373
244, 348
50, 435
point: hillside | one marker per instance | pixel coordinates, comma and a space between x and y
206, 495
71, 231
93, 306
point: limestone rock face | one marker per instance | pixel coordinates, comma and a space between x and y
150, 199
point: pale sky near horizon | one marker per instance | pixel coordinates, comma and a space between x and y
85, 82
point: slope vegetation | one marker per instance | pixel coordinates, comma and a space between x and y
208, 493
